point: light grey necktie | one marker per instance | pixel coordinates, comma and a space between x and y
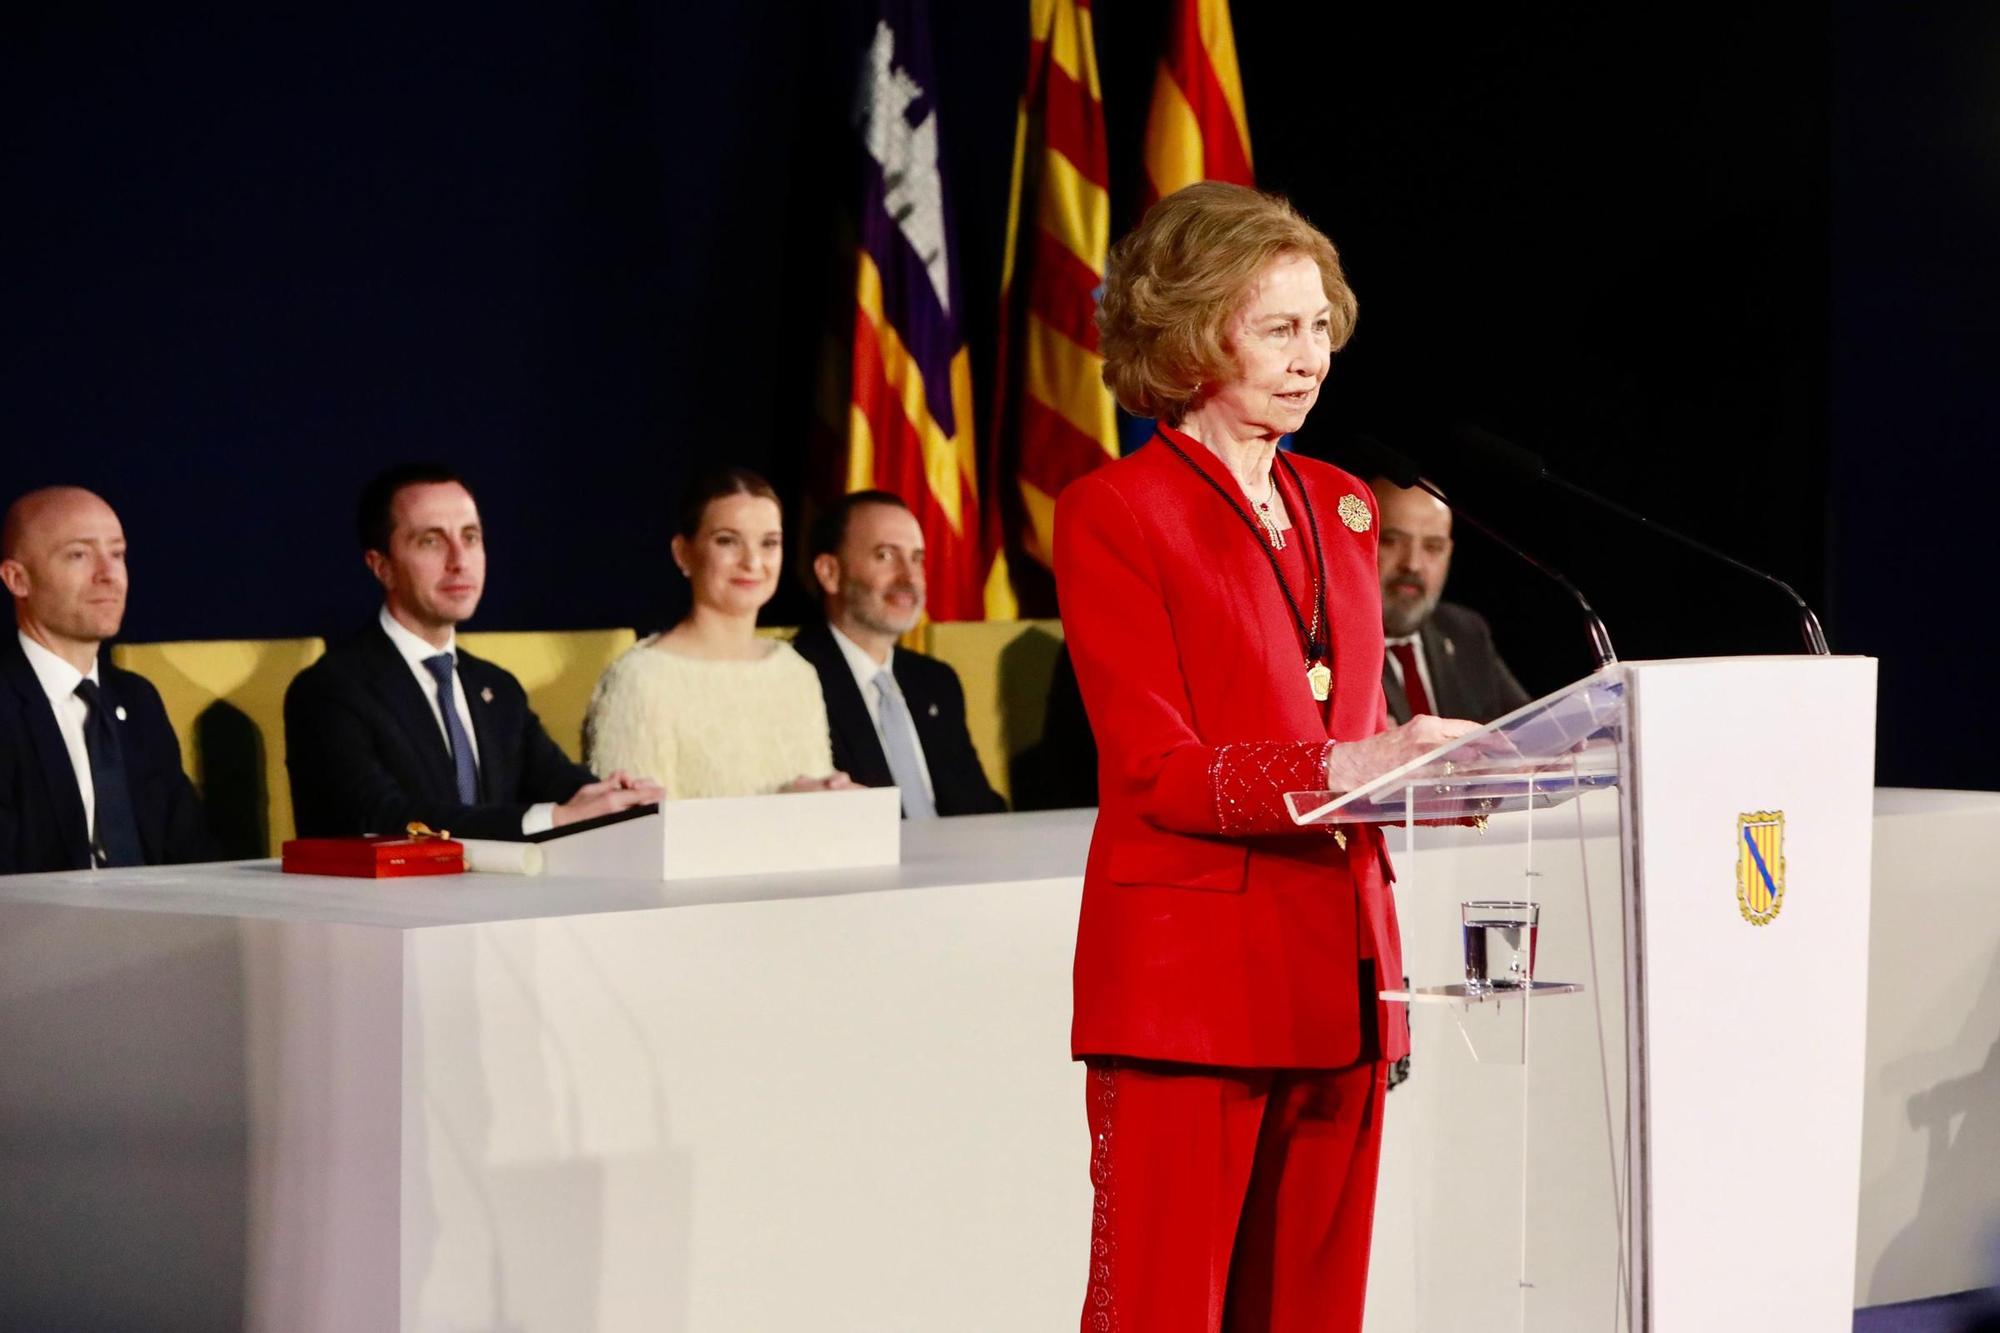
900, 744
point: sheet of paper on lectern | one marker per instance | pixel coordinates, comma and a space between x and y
1539, 755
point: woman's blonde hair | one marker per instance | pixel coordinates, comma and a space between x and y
1172, 285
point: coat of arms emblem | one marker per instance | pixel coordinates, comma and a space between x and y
1760, 865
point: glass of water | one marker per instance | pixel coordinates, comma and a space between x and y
1500, 944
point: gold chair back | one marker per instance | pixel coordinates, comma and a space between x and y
558, 669
226, 700
1005, 666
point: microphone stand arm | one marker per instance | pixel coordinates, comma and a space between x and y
1809, 626
1600, 638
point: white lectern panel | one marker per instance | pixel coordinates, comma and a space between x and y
1754, 1036
1745, 800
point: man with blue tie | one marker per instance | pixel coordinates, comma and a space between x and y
90, 771
897, 717
398, 724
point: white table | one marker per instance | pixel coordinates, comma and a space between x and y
840, 1101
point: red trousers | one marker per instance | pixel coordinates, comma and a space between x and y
1231, 1201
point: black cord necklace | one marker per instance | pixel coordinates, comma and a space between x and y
1319, 677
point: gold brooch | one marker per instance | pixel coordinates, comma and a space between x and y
1354, 512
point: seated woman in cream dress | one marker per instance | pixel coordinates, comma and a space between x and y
708, 707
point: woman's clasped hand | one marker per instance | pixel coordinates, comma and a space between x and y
1355, 764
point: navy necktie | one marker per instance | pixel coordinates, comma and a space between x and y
462, 764
116, 840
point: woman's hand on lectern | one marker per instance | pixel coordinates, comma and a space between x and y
1355, 764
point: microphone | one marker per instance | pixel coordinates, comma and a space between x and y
1517, 459
1402, 470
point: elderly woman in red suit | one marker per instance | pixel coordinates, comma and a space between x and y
1222, 607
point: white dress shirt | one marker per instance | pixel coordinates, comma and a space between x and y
59, 681
866, 669
1416, 642
415, 650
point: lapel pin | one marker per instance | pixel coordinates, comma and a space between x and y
119, 712
1354, 512
933, 710
487, 694
1450, 648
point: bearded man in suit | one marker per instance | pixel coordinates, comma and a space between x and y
897, 717
397, 724
1441, 659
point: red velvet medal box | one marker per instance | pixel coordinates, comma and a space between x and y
374, 857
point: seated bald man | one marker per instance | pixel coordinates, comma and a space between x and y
1441, 659
398, 724
90, 772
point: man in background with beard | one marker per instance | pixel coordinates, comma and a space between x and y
897, 717
1441, 658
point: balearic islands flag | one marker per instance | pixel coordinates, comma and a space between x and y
910, 410
1197, 129
1053, 417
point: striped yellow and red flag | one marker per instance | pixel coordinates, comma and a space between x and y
1053, 417
1197, 129
910, 413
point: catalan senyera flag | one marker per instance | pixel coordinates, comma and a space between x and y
1197, 129
910, 413
1053, 418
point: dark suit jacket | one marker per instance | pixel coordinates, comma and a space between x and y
42, 822
937, 706
1468, 679
366, 755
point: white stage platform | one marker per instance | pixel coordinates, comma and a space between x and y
833, 1102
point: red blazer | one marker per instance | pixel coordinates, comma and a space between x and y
1215, 931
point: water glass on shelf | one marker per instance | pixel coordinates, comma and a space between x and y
1500, 942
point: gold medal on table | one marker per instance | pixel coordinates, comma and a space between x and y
1321, 680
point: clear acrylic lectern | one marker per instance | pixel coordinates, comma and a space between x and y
1633, 1057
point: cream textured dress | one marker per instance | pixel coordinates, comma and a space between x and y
707, 728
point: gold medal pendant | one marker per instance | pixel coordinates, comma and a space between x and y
1321, 679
